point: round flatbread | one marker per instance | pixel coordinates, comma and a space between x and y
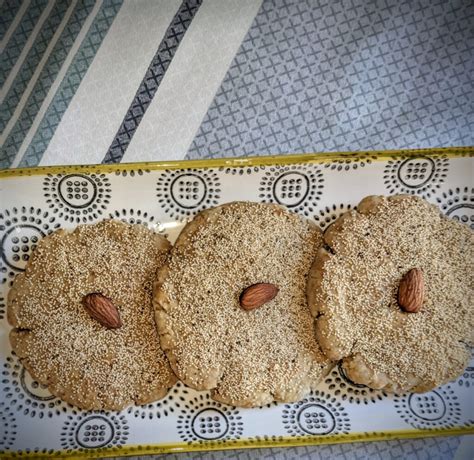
246, 357
63, 346
353, 293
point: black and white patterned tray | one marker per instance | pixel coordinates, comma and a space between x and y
163, 196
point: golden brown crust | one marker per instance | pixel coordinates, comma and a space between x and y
246, 358
353, 291
81, 361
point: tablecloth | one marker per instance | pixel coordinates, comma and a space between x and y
105, 81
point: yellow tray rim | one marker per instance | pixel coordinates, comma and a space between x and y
375, 155
129, 450
183, 447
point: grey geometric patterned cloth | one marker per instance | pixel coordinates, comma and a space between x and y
314, 76
303, 76
415, 449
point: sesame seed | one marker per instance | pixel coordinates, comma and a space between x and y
246, 357
361, 320
80, 360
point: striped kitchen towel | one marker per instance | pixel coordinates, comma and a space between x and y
91, 81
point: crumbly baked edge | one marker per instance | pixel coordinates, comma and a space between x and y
355, 367
162, 304
54, 386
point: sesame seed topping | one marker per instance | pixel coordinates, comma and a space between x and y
246, 357
80, 360
360, 319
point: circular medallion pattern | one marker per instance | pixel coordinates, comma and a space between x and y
8, 427
77, 198
340, 385
25, 395
415, 175
210, 424
458, 203
20, 231
94, 430
204, 419
326, 216
184, 193
174, 400
318, 414
435, 409
77, 191
298, 187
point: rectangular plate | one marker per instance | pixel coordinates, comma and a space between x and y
162, 196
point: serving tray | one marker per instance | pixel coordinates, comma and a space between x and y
162, 196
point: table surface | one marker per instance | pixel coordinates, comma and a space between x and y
106, 81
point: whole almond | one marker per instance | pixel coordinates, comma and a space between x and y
102, 310
411, 291
257, 295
